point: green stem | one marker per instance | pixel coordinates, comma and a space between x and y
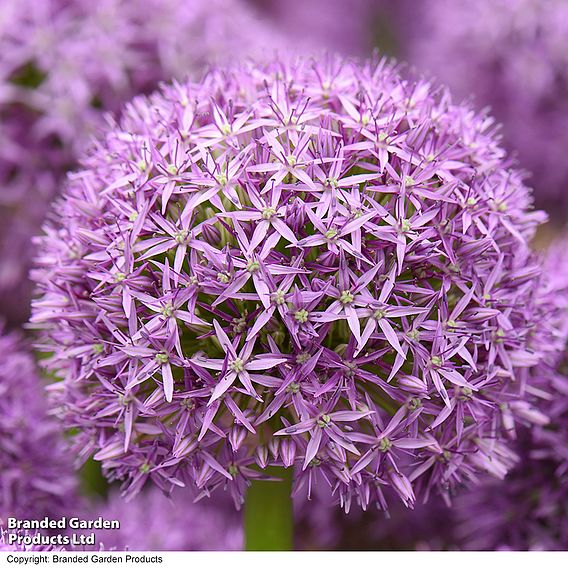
269, 520
92, 480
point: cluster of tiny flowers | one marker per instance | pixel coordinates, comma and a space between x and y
530, 509
63, 65
154, 522
511, 55
36, 478
318, 265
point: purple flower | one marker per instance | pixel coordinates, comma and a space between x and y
294, 264
36, 476
511, 55
64, 65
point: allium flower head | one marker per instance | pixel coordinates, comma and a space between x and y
64, 65
511, 55
36, 476
296, 264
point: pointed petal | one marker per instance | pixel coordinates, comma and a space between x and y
168, 379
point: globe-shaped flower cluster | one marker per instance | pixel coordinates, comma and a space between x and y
318, 265
36, 474
63, 66
511, 55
